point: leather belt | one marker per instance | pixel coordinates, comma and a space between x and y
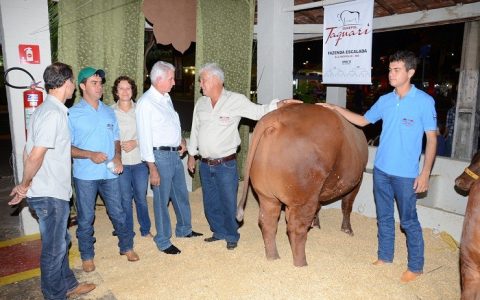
217, 161
167, 148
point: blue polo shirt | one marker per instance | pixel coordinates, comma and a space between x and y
94, 130
404, 122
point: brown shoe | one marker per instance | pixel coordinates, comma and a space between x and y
88, 265
408, 276
81, 289
131, 255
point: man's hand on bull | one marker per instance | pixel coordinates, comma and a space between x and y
327, 105
352, 117
287, 101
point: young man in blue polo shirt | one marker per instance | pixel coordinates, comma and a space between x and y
96, 154
407, 113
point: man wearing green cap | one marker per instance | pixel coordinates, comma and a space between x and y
96, 154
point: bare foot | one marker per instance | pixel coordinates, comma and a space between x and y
408, 276
379, 262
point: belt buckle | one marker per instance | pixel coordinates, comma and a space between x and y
212, 162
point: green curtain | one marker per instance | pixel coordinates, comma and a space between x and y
225, 36
106, 34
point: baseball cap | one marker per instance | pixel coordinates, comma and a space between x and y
88, 72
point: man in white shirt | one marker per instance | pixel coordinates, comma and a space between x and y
161, 145
215, 138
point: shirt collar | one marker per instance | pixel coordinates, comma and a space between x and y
411, 92
157, 94
115, 106
85, 103
55, 101
223, 94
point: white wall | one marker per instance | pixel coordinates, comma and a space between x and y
274, 50
23, 22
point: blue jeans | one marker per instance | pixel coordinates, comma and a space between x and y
172, 186
86, 192
385, 188
134, 184
56, 276
219, 188
448, 146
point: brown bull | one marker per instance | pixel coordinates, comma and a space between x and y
470, 243
302, 156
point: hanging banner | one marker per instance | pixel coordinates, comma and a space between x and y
347, 42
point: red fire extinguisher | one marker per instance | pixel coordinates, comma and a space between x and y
32, 97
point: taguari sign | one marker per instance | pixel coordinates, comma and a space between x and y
347, 42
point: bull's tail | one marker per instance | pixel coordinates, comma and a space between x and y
256, 137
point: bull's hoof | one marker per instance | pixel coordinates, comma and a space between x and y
348, 231
315, 223
239, 215
273, 257
300, 264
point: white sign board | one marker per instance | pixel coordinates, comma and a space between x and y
347, 42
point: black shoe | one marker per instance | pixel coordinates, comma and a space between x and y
231, 245
211, 239
171, 250
193, 234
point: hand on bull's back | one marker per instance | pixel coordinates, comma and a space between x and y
327, 105
287, 102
